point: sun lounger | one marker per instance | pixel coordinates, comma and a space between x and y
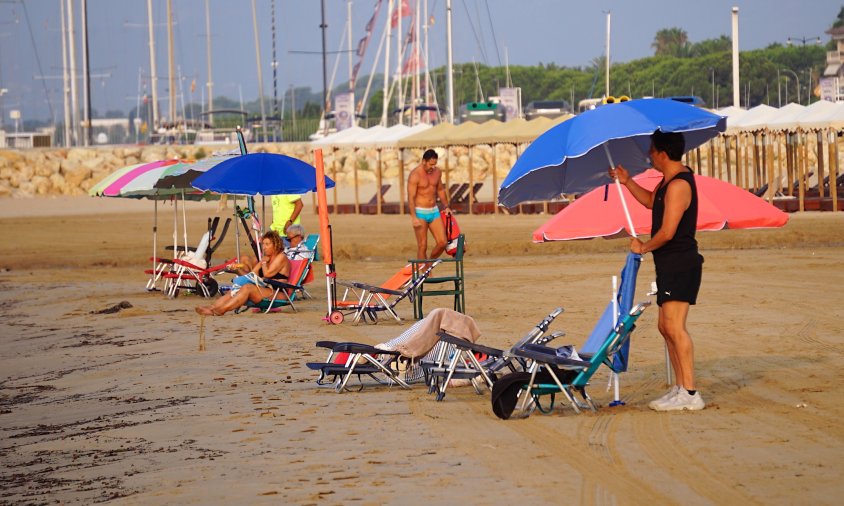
462, 359
347, 360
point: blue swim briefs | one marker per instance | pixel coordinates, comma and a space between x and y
429, 214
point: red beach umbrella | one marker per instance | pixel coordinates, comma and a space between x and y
599, 212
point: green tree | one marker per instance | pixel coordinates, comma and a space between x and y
709, 46
671, 42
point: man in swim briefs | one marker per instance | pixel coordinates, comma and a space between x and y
423, 186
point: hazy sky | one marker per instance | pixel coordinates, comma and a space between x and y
565, 32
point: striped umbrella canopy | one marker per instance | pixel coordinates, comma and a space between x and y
113, 189
97, 189
181, 176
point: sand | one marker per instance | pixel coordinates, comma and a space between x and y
123, 406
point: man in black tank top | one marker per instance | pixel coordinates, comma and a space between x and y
678, 263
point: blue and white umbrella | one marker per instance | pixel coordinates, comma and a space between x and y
573, 156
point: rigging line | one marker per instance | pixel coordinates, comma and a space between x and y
37, 58
474, 32
479, 18
492, 29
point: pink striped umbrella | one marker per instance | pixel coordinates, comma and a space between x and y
113, 190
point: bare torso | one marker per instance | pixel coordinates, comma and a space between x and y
426, 184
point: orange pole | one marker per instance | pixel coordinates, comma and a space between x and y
322, 204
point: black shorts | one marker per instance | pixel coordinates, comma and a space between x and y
680, 286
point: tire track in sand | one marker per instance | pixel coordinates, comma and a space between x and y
547, 451
652, 433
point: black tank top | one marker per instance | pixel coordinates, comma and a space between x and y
680, 253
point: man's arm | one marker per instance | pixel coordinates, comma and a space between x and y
412, 183
297, 208
678, 197
441, 193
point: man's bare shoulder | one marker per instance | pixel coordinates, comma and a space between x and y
414, 174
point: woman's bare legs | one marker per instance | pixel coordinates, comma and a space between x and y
227, 303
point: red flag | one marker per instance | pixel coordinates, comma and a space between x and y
413, 64
405, 11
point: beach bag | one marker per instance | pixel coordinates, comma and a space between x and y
452, 232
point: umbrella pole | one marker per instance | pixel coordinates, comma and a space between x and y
175, 227
620, 194
154, 276
236, 230
184, 222
613, 375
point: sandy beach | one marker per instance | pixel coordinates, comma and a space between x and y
123, 407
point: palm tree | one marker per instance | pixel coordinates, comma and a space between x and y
671, 42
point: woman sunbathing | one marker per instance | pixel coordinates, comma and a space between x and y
251, 287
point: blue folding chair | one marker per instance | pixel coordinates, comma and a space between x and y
616, 311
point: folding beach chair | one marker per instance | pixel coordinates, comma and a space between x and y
561, 370
374, 299
199, 256
461, 359
284, 294
346, 360
195, 278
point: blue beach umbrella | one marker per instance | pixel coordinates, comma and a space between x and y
573, 156
260, 174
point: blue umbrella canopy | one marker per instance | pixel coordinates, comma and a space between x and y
260, 174
572, 156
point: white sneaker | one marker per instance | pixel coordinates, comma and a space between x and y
682, 401
671, 393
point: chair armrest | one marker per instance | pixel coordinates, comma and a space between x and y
184, 263
362, 348
545, 358
280, 285
375, 289
326, 344
428, 260
469, 345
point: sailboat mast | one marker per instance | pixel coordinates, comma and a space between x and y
399, 80
65, 80
275, 76
86, 78
260, 75
153, 73
427, 72
351, 67
171, 65
209, 83
387, 63
325, 106
74, 100
449, 63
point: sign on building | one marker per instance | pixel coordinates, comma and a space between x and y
511, 100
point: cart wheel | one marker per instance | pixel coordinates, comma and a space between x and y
213, 287
336, 317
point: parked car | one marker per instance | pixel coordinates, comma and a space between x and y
547, 108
